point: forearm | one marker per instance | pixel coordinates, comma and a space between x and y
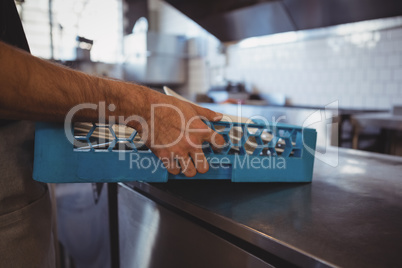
35, 89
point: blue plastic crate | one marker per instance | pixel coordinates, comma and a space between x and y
287, 157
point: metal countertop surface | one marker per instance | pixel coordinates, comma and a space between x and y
349, 216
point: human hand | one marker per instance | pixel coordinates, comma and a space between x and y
175, 132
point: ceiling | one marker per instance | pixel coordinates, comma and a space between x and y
234, 20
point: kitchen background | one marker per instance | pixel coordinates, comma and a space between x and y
355, 65
354, 68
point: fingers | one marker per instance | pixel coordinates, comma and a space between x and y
215, 139
187, 166
191, 146
208, 114
173, 167
199, 160
170, 162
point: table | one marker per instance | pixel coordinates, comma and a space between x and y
387, 121
349, 216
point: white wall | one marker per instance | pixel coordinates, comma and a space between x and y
360, 70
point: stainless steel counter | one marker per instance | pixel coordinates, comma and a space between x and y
349, 216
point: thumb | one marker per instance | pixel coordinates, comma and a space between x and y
209, 114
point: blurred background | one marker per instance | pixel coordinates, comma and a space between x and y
281, 55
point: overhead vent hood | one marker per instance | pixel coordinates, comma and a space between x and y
234, 20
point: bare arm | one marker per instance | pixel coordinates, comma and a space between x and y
35, 89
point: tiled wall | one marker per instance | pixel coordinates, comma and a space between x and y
362, 70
